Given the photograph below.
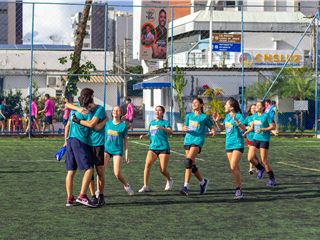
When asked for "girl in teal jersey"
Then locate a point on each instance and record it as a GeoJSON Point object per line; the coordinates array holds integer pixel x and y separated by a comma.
{"type": "Point", "coordinates": [262, 125]}
{"type": "Point", "coordinates": [195, 127]}
{"type": "Point", "coordinates": [248, 122]}
{"type": "Point", "coordinates": [234, 126]}
{"type": "Point", "coordinates": [116, 138]}
{"type": "Point", "coordinates": [159, 147]}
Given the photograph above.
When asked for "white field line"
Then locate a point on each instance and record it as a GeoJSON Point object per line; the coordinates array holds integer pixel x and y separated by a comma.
{"type": "Point", "coordinates": [292, 165]}
{"type": "Point", "coordinates": [200, 159]}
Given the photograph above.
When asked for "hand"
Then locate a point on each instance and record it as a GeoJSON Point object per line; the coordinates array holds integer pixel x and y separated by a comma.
{"type": "Point", "coordinates": [185, 129]}
{"type": "Point", "coordinates": [213, 132]}
{"type": "Point", "coordinates": [83, 111]}
{"type": "Point", "coordinates": [4, 117]}
{"type": "Point", "coordinates": [259, 130]}
{"type": "Point", "coordinates": [215, 116]}
{"type": "Point", "coordinates": [65, 143]}
{"type": "Point", "coordinates": [158, 127]}
{"type": "Point", "coordinates": [245, 134]}
{"type": "Point", "coordinates": [141, 137]}
{"type": "Point", "coordinates": [123, 117]}
{"type": "Point", "coordinates": [233, 115]}
{"type": "Point", "coordinates": [127, 159]}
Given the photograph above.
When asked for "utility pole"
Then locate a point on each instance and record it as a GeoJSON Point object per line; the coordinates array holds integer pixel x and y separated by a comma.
{"type": "Point", "coordinates": [121, 65]}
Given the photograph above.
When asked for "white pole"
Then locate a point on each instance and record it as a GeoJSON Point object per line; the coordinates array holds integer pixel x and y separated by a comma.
{"type": "Point", "coordinates": [210, 38]}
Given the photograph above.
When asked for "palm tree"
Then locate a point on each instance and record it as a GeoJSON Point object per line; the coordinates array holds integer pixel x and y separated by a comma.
{"type": "Point", "coordinates": [300, 85]}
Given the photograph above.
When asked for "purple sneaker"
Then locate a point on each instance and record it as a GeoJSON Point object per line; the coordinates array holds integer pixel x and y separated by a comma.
{"type": "Point", "coordinates": [260, 174]}
{"type": "Point", "coordinates": [271, 182]}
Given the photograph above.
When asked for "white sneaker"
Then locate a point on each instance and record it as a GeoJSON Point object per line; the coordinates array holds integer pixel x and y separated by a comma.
{"type": "Point", "coordinates": [129, 190]}
{"type": "Point", "coordinates": [97, 193]}
{"type": "Point", "coordinates": [169, 185]}
{"type": "Point", "coordinates": [144, 189]}
{"type": "Point", "coordinates": [251, 170]}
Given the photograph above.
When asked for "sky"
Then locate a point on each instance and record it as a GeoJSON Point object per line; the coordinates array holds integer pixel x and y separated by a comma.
{"type": "Point", "coordinates": [55, 19]}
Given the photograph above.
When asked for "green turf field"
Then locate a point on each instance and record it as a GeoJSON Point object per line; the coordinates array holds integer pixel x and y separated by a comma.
{"type": "Point", "coordinates": [33, 196]}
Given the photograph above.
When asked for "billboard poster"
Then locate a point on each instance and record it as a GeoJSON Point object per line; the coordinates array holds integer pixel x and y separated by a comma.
{"type": "Point", "coordinates": [154, 27]}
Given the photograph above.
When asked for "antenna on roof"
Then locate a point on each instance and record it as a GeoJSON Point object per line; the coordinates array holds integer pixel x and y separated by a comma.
{"type": "Point", "coordinates": [54, 38]}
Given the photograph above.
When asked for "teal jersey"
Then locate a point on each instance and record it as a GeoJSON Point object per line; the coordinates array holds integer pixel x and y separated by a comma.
{"type": "Point", "coordinates": [158, 137]}
{"type": "Point", "coordinates": [261, 121]}
{"type": "Point", "coordinates": [2, 111]}
{"type": "Point", "coordinates": [248, 122]}
{"type": "Point", "coordinates": [196, 128]}
{"type": "Point", "coordinates": [77, 130]}
{"type": "Point", "coordinates": [96, 138]}
{"type": "Point", "coordinates": [114, 137]}
{"type": "Point", "coordinates": [234, 137]}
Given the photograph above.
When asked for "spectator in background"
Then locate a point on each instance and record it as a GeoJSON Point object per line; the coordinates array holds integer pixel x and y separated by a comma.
{"type": "Point", "coordinates": [34, 114]}
{"type": "Point", "coordinates": [272, 113]}
{"type": "Point", "coordinates": [2, 117]}
{"type": "Point", "coordinates": [268, 105]}
{"type": "Point", "coordinates": [129, 115]}
{"type": "Point", "coordinates": [66, 114]}
{"type": "Point", "coordinates": [49, 110]}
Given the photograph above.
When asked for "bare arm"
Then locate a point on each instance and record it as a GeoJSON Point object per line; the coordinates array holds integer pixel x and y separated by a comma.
{"type": "Point", "coordinates": [126, 148]}
{"type": "Point", "coordinates": [271, 127]}
{"type": "Point", "coordinates": [215, 118]}
{"type": "Point", "coordinates": [2, 114]}
{"type": "Point", "coordinates": [167, 130]}
{"type": "Point", "coordinates": [100, 125]}
{"type": "Point", "coordinates": [73, 106]}
{"type": "Point", "coordinates": [93, 122]}
{"type": "Point", "coordinates": [143, 136]}
{"type": "Point", "coordinates": [66, 133]}
{"type": "Point", "coordinates": [45, 108]}
{"type": "Point", "coordinates": [213, 132]}
{"type": "Point", "coordinates": [249, 130]}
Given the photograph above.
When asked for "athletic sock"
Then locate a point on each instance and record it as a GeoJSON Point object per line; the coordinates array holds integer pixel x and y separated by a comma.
{"type": "Point", "coordinates": [259, 166]}
{"type": "Point", "coordinates": [83, 195]}
{"type": "Point", "coordinates": [69, 198]}
{"type": "Point", "coordinates": [186, 185]}
{"type": "Point", "coordinates": [202, 182]}
{"type": "Point", "coordinates": [271, 175]}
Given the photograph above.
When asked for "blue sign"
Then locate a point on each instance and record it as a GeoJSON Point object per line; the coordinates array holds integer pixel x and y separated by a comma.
{"type": "Point", "coordinates": [226, 47]}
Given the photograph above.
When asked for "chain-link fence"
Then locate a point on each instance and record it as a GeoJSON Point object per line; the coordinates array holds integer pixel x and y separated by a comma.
{"type": "Point", "coordinates": [251, 53]}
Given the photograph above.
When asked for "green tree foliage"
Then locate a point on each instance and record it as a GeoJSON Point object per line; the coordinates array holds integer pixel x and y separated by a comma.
{"type": "Point", "coordinates": [215, 105]}
{"type": "Point", "coordinates": [13, 102]}
{"type": "Point", "coordinates": [179, 82]}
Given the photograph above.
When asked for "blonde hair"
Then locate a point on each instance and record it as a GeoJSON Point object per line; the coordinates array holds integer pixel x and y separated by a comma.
{"type": "Point", "coordinates": [121, 111]}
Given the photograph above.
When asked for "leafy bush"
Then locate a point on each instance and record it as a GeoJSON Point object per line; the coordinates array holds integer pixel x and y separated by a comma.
{"type": "Point", "coordinates": [12, 102]}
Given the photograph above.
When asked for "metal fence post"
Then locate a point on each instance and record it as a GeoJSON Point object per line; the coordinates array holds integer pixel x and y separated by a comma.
{"type": "Point", "coordinates": [316, 80]}
{"type": "Point", "coordinates": [242, 65]}
{"type": "Point", "coordinates": [105, 53]}
{"type": "Point", "coordinates": [31, 67]}
{"type": "Point", "coordinates": [171, 92]}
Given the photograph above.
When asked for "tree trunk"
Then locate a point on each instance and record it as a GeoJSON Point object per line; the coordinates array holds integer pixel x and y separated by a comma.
{"type": "Point", "coordinates": [297, 120]}
{"type": "Point", "coordinates": [301, 120]}
{"type": "Point", "coordinates": [81, 33]}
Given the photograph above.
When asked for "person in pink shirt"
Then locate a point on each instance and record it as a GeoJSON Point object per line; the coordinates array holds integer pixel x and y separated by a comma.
{"type": "Point", "coordinates": [49, 110]}
{"type": "Point", "coordinates": [268, 105]}
{"type": "Point", "coordinates": [66, 114]}
{"type": "Point", "coordinates": [34, 114]}
{"type": "Point", "coordinates": [129, 115]}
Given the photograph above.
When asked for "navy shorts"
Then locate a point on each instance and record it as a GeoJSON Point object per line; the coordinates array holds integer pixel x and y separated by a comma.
{"type": "Point", "coordinates": [158, 152]}
{"type": "Point", "coordinates": [187, 147]}
{"type": "Point", "coordinates": [77, 155]}
{"type": "Point", "coordinates": [130, 121]}
{"type": "Point", "coordinates": [235, 149]}
{"type": "Point", "coordinates": [48, 120]}
{"type": "Point", "coordinates": [65, 122]}
{"type": "Point", "coordinates": [260, 144]}
{"type": "Point", "coordinates": [97, 154]}
{"type": "Point", "coordinates": [113, 155]}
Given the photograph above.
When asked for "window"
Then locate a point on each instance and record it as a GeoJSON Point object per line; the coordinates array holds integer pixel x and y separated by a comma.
{"type": "Point", "coordinates": [87, 36]}
{"type": "Point", "coordinates": [86, 45]}
{"type": "Point", "coordinates": [1, 84]}
{"type": "Point", "coordinates": [151, 98]}
{"type": "Point", "coordinates": [3, 11]}
{"type": "Point", "coordinates": [58, 93]}
{"type": "Point", "coordinates": [88, 27]}
{"type": "Point", "coordinates": [240, 90]}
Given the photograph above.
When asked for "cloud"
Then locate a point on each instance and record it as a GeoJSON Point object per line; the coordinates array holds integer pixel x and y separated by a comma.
{"type": "Point", "coordinates": [49, 19]}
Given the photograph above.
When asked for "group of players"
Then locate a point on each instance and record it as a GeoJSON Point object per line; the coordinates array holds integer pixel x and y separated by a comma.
{"type": "Point", "coordinates": [92, 139]}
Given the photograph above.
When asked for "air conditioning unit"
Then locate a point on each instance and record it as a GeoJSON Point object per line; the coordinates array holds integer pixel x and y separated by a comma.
{"type": "Point", "coordinates": [53, 81]}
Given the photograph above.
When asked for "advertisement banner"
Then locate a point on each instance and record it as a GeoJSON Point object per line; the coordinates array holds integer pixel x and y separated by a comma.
{"type": "Point", "coordinates": [154, 27]}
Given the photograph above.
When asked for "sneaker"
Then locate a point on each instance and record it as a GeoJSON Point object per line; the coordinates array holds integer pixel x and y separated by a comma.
{"type": "Point", "coordinates": [85, 201]}
{"type": "Point", "coordinates": [169, 185]}
{"type": "Point", "coordinates": [71, 202]}
{"type": "Point", "coordinates": [261, 172]}
{"type": "Point", "coordinates": [144, 189]}
{"type": "Point", "coordinates": [101, 201]}
{"type": "Point", "coordinates": [238, 194]}
{"type": "Point", "coordinates": [251, 171]}
{"type": "Point", "coordinates": [203, 188]}
{"type": "Point", "coordinates": [94, 199]}
{"type": "Point", "coordinates": [129, 190]}
{"type": "Point", "coordinates": [271, 182]}
{"type": "Point", "coordinates": [184, 191]}
{"type": "Point", "coordinates": [97, 193]}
